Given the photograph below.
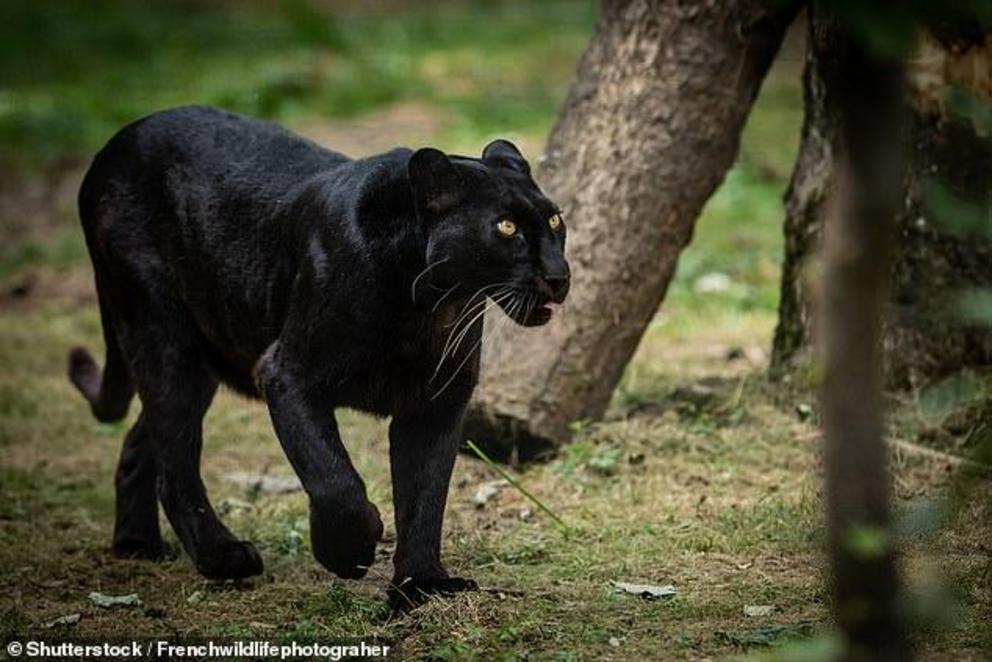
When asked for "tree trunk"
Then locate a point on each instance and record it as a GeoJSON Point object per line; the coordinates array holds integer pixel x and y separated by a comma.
{"type": "Point", "coordinates": [650, 127]}
{"type": "Point", "coordinates": [923, 337]}
{"type": "Point", "coordinates": [862, 98]}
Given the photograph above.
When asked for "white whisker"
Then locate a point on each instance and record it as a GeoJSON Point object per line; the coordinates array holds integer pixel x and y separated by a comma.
{"type": "Point", "coordinates": [459, 332]}
{"type": "Point", "coordinates": [474, 349]}
{"type": "Point", "coordinates": [444, 296]}
{"type": "Point", "coordinates": [413, 286]}
{"type": "Point", "coordinates": [466, 313]}
{"type": "Point", "coordinates": [465, 328]}
{"type": "Point", "coordinates": [468, 303]}
{"type": "Point", "coordinates": [531, 301]}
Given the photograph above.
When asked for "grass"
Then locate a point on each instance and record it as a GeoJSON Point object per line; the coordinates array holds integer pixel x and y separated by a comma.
{"type": "Point", "coordinates": [719, 499]}
{"type": "Point", "coordinates": [626, 525]}
{"type": "Point", "coordinates": [505, 475]}
{"type": "Point", "coordinates": [703, 474]}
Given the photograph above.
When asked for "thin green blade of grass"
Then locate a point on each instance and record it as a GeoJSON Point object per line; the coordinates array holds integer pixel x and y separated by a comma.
{"type": "Point", "coordinates": [508, 478]}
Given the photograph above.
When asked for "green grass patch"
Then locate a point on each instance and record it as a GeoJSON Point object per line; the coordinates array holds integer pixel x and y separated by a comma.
{"type": "Point", "coordinates": [73, 73]}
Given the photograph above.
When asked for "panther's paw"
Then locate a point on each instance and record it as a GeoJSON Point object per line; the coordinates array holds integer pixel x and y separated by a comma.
{"type": "Point", "coordinates": [229, 559]}
{"type": "Point", "coordinates": [408, 592]}
{"type": "Point", "coordinates": [344, 542]}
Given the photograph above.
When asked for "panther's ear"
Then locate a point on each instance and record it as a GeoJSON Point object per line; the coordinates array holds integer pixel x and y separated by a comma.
{"type": "Point", "coordinates": [434, 180]}
{"type": "Point", "coordinates": [504, 154]}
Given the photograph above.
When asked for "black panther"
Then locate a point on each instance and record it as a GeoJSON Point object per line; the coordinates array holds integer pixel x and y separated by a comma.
{"type": "Point", "coordinates": [228, 250]}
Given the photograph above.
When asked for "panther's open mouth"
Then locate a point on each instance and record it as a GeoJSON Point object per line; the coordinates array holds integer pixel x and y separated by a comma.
{"type": "Point", "coordinates": [530, 308]}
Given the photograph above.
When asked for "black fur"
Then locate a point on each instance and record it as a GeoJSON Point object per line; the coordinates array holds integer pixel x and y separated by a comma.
{"type": "Point", "coordinates": [227, 250]}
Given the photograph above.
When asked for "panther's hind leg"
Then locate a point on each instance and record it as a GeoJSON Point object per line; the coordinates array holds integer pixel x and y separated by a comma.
{"type": "Point", "coordinates": [176, 389]}
{"type": "Point", "coordinates": [136, 529]}
{"type": "Point", "coordinates": [109, 393]}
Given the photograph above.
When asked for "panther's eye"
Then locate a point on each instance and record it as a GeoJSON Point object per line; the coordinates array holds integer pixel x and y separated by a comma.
{"type": "Point", "coordinates": [555, 221]}
{"type": "Point", "coordinates": [506, 227]}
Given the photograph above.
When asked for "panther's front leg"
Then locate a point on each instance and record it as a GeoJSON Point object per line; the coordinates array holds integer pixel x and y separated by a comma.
{"type": "Point", "coordinates": [422, 450]}
{"type": "Point", "coordinates": [344, 525]}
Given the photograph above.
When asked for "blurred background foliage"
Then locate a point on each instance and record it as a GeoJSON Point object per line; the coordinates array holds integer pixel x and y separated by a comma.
{"type": "Point", "coordinates": [72, 73]}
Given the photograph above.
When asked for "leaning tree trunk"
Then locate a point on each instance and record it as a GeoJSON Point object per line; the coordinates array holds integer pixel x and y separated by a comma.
{"type": "Point", "coordinates": [650, 127]}
{"type": "Point", "coordinates": [923, 337]}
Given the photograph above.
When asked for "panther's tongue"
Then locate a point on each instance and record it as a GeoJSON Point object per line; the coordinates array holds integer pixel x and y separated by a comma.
{"type": "Point", "coordinates": [552, 307]}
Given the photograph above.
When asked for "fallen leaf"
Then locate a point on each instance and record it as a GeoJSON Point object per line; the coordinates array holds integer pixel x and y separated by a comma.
{"type": "Point", "coordinates": [107, 601]}
{"type": "Point", "coordinates": [68, 619]}
{"type": "Point", "coordinates": [767, 636]}
{"type": "Point", "coordinates": [486, 491]}
{"type": "Point", "coordinates": [196, 597]}
{"type": "Point", "coordinates": [646, 591]}
{"type": "Point", "coordinates": [758, 610]}
{"type": "Point", "coordinates": [264, 483]}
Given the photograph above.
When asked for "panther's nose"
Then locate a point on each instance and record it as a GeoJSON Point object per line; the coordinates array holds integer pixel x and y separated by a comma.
{"type": "Point", "coordinates": [555, 285]}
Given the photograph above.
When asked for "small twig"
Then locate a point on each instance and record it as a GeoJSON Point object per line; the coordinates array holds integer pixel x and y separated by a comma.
{"type": "Point", "coordinates": [954, 460]}
{"type": "Point", "coordinates": [910, 448]}
{"type": "Point", "coordinates": [739, 392]}
{"type": "Point", "coordinates": [503, 591]}
{"type": "Point", "coordinates": [508, 478]}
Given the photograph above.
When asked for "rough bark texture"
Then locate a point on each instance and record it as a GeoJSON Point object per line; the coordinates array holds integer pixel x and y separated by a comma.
{"type": "Point", "coordinates": [650, 127]}
{"type": "Point", "coordinates": [863, 96]}
{"type": "Point", "coordinates": [923, 338]}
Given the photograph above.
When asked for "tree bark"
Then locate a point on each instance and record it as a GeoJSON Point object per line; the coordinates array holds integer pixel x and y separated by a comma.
{"type": "Point", "coordinates": [923, 339]}
{"type": "Point", "coordinates": [649, 128]}
{"type": "Point", "coordinates": [862, 95]}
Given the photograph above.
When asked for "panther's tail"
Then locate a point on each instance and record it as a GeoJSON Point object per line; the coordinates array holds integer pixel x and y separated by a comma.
{"type": "Point", "coordinates": [109, 392]}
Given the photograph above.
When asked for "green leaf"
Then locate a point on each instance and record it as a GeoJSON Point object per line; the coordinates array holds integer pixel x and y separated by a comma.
{"type": "Point", "coordinates": [942, 399]}
{"type": "Point", "coordinates": [605, 461]}
{"type": "Point", "coordinates": [868, 542]}
{"type": "Point", "coordinates": [975, 306]}
{"type": "Point", "coordinates": [957, 215]}
{"type": "Point", "coordinates": [965, 104]}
